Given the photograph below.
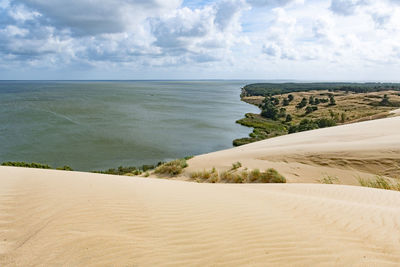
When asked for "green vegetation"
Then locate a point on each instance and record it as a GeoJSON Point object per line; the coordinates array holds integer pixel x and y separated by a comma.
{"type": "Point", "coordinates": [263, 128]}
{"type": "Point", "coordinates": [129, 170]}
{"type": "Point", "coordinates": [380, 182]}
{"type": "Point", "coordinates": [171, 168]}
{"type": "Point", "coordinates": [302, 103]}
{"type": "Point", "coordinates": [65, 168]}
{"type": "Point", "coordinates": [332, 100]}
{"type": "Point", "coordinates": [211, 176]}
{"type": "Point", "coordinates": [235, 176]}
{"type": "Point", "coordinates": [265, 89]}
{"type": "Point", "coordinates": [295, 107]}
{"type": "Point", "coordinates": [306, 125]}
{"type": "Point", "coordinates": [122, 171]}
{"type": "Point", "coordinates": [386, 102]}
{"type": "Point", "coordinates": [26, 165]}
{"type": "Point", "coordinates": [236, 165]}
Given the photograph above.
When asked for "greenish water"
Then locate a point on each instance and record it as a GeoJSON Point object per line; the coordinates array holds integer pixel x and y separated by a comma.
{"type": "Point", "coordinates": [98, 125]}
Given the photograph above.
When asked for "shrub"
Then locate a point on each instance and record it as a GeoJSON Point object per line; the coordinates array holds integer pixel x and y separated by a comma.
{"type": "Point", "coordinates": [385, 101]}
{"type": "Point", "coordinates": [270, 111]}
{"type": "Point", "coordinates": [309, 109]}
{"type": "Point", "coordinates": [65, 168]}
{"type": "Point", "coordinates": [121, 171]}
{"type": "Point", "coordinates": [172, 168]}
{"type": "Point", "coordinates": [302, 103]}
{"type": "Point", "coordinates": [304, 125]}
{"type": "Point", "coordinates": [311, 100]}
{"type": "Point", "coordinates": [26, 165]}
{"type": "Point", "coordinates": [272, 176]}
{"type": "Point", "coordinates": [324, 122]}
{"type": "Point", "coordinates": [332, 101]}
{"type": "Point", "coordinates": [254, 175]}
{"type": "Point", "coordinates": [286, 102]}
{"type": "Point", "coordinates": [146, 168]}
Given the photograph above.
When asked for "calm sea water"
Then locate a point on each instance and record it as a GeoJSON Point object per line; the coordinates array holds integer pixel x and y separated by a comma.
{"type": "Point", "coordinates": [98, 125]}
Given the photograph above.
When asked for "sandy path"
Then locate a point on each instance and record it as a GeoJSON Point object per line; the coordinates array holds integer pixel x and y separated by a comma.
{"type": "Point", "coordinates": [68, 218]}
{"type": "Point", "coordinates": [347, 152]}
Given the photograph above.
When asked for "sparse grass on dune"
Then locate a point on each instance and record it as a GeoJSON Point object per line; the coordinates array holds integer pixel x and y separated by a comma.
{"type": "Point", "coordinates": [236, 165]}
{"type": "Point", "coordinates": [328, 179]}
{"type": "Point", "coordinates": [379, 182]}
{"type": "Point", "coordinates": [239, 176]}
{"type": "Point", "coordinates": [171, 168]}
{"type": "Point", "coordinates": [211, 176]}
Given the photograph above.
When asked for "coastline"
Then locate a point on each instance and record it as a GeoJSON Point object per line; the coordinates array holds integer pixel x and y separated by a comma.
{"type": "Point", "coordinates": [57, 217]}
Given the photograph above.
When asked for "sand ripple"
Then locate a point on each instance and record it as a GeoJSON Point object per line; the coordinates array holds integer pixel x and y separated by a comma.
{"type": "Point", "coordinates": [79, 219]}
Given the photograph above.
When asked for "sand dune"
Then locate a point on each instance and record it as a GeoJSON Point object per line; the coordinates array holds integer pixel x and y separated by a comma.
{"type": "Point", "coordinates": [347, 152]}
{"type": "Point", "coordinates": [56, 218]}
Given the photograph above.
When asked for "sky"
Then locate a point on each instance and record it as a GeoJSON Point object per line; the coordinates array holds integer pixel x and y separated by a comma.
{"type": "Point", "coordinates": [348, 40]}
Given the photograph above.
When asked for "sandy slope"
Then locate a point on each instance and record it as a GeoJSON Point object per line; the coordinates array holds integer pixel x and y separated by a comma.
{"type": "Point", "coordinates": [350, 151]}
{"type": "Point", "coordinates": [56, 218]}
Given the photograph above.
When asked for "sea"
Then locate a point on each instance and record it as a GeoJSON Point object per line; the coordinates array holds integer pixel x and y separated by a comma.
{"type": "Point", "coordinates": [96, 125]}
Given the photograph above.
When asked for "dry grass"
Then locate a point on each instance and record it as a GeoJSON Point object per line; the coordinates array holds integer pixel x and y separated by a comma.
{"type": "Point", "coordinates": [235, 176]}
{"type": "Point", "coordinates": [209, 176]}
{"type": "Point", "coordinates": [329, 180]}
{"type": "Point", "coordinates": [380, 182]}
{"type": "Point", "coordinates": [236, 165]}
{"type": "Point", "coordinates": [354, 106]}
{"type": "Point", "coordinates": [171, 168]}
{"type": "Point", "coordinates": [350, 107]}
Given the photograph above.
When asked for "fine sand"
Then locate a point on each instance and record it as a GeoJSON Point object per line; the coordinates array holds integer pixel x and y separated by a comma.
{"type": "Point", "coordinates": [347, 152]}
{"type": "Point", "coordinates": [58, 218]}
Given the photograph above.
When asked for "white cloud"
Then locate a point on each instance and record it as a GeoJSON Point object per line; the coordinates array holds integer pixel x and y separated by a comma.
{"type": "Point", "coordinates": [273, 3]}
{"type": "Point", "coordinates": [200, 35]}
{"type": "Point", "coordinates": [87, 17]}
{"type": "Point", "coordinates": [238, 36]}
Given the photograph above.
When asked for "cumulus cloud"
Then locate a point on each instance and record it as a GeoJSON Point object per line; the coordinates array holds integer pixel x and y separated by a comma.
{"type": "Point", "coordinates": [346, 7]}
{"type": "Point", "coordinates": [272, 3]}
{"type": "Point", "coordinates": [226, 33]}
{"type": "Point", "coordinates": [200, 35]}
{"type": "Point", "coordinates": [87, 17]}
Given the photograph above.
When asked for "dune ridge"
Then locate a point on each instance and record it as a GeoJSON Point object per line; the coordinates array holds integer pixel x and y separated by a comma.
{"type": "Point", "coordinates": [63, 218]}
{"type": "Point", "coordinates": [348, 152]}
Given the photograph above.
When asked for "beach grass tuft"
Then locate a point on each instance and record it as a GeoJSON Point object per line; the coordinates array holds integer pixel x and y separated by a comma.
{"type": "Point", "coordinates": [328, 179]}
{"type": "Point", "coordinates": [379, 182]}
{"type": "Point", "coordinates": [236, 165]}
{"type": "Point", "coordinates": [171, 168]}
{"type": "Point", "coordinates": [235, 176]}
